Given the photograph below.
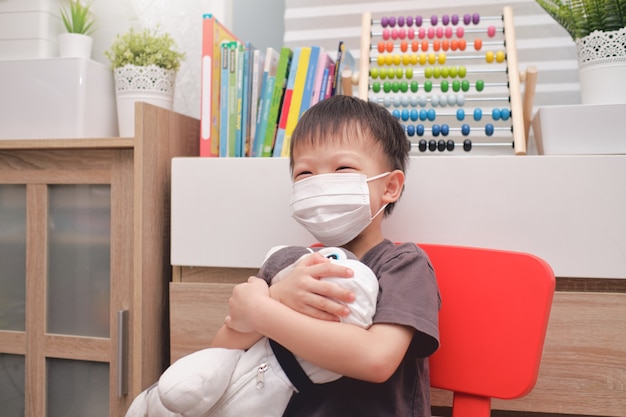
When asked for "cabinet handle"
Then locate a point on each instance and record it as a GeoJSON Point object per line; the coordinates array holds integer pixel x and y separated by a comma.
{"type": "Point", "coordinates": [122, 353]}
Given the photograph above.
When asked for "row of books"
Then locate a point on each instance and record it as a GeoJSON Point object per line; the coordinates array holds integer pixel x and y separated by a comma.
{"type": "Point", "coordinates": [252, 99]}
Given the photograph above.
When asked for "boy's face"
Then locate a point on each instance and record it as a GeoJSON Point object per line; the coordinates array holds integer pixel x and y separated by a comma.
{"type": "Point", "coordinates": [347, 156]}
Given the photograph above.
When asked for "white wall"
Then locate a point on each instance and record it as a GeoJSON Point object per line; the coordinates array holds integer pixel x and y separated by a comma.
{"type": "Point", "coordinates": [181, 18]}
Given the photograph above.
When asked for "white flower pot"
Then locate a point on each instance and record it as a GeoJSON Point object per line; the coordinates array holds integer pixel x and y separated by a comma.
{"type": "Point", "coordinates": [75, 45]}
{"type": "Point", "coordinates": [602, 67]}
{"type": "Point", "coordinates": [151, 84]}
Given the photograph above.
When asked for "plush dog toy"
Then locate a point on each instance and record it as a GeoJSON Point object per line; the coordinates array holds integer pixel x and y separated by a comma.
{"type": "Point", "coordinates": [220, 382]}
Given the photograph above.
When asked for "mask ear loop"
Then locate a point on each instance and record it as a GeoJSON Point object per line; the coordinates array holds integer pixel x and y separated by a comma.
{"type": "Point", "coordinates": [379, 210]}
{"type": "Point", "coordinates": [374, 178]}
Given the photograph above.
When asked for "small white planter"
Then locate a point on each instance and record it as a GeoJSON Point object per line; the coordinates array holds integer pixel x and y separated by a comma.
{"type": "Point", "coordinates": [602, 67]}
{"type": "Point", "coordinates": [149, 84]}
{"type": "Point", "coordinates": [75, 45]}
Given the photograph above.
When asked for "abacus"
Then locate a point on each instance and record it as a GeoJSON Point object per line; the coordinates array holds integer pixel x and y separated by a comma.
{"type": "Point", "coordinates": [436, 75]}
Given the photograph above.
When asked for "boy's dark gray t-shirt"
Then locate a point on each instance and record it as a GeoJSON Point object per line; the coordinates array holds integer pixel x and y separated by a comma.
{"type": "Point", "coordinates": [409, 296]}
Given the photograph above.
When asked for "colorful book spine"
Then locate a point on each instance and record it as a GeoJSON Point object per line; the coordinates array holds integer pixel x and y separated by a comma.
{"type": "Point", "coordinates": [322, 67]}
{"type": "Point", "coordinates": [309, 82]}
{"type": "Point", "coordinates": [331, 76]}
{"type": "Point", "coordinates": [296, 99]}
{"type": "Point", "coordinates": [246, 98]}
{"type": "Point", "coordinates": [337, 75]}
{"type": "Point", "coordinates": [223, 124]}
{"type": "Point", "coordinates": [347, 62]}
{"type": "Point", "coordinates": [232, 97]}
{"type": "Point", "coordinates": [213, 34]}
{"type": "Point", "coordinates": [239, 70]}
{"type": "Point", "coordinates": [324, 88]}
{"type": "Point", "coordinates": [258, 59]}
{"type": "Point", "coordinates": [282, 71]}
{"type": "Point", "coordinates": [284, 112]}
{"type": "Point", "coordinates": [269, 78]}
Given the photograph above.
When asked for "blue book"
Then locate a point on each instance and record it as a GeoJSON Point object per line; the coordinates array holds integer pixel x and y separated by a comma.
{"type": "Point", "coordinates": [311, 72]}
{"type": "Point", "coordinates": [322, 95]}
{"type": "Point", "coordinates": [239, 73]}
{"type": "Point", "coordinates": [224, 99]}
{"type": "Point", "coordinates": [246, 104]}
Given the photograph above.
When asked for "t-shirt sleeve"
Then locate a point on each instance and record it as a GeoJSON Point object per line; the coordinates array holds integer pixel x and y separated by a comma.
{"type": "Point", "coordinates": [409, 296]}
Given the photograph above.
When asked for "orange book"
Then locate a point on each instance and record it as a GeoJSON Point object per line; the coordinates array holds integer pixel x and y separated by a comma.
{"type": "Point", "coordinates": [213, 34]}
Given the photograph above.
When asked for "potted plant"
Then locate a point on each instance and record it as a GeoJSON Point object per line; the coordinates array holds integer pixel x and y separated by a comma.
{"type": "Point", "coordinates": [599, 29]}
{"type": "Point", "coordinates": [144, 65]}
{"type": "Point", "coordinates": [78, 21]}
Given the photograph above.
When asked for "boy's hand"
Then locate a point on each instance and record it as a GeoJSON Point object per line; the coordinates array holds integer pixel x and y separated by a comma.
{"type": "Point", "coordinates": [303, 291]}
{"type": "Point", "coordinates": [244, 302]}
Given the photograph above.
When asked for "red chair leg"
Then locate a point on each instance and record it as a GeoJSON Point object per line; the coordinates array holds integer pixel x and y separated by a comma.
{"type": "Point", "coordinates": [466, 405]}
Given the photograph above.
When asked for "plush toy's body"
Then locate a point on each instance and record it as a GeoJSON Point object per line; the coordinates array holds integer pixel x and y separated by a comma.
{"type": "Point", "coordinates": [220, 382]}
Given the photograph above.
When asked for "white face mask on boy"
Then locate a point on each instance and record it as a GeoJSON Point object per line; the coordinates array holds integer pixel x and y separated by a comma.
{"type": "Point", "coordinates": [334, 208]}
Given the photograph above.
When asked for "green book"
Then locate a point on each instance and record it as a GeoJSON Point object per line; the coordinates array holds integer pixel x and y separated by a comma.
{"type": "Point", "coordinates": [284, 61]}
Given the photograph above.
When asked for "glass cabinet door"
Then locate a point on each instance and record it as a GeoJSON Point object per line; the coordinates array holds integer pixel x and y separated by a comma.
{"type": "Point", "coordinates": [12, 295]}
{"type": "Point", "coordinates": [78, 295]}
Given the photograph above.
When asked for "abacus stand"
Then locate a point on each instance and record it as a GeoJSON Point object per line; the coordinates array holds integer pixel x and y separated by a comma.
{"type": "Point", "coordinates": [520, 111]}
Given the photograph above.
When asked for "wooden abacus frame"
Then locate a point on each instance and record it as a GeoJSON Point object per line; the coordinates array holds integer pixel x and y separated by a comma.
{"type": "Point", "coordinates": [520, 109]}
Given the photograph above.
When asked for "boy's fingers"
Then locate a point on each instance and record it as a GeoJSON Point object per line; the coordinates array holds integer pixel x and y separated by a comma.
{"type": "Point", "coordinates": [329, 269]}
{"type": "Point", "coordinates": [331, 291]}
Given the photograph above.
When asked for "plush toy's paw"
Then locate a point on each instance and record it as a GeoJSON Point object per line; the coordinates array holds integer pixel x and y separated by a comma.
{"type": "Point", "coordinates": [148, 404]}
{"type": "Point", "coordinates": [194, 383]}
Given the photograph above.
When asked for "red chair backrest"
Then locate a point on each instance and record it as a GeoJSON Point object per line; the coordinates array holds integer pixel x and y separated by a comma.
{"type": "Point", "coordinates": [493, 320]}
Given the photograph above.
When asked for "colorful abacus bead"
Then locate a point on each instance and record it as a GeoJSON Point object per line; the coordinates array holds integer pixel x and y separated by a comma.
{"type": "Point", "coordinates": [467, 145]}
{"type": "Point", "coordinates": [489, 129]}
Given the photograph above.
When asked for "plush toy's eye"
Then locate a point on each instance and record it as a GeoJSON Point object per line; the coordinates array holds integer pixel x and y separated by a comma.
{"type": "Point", "coordinates": [336, 254]}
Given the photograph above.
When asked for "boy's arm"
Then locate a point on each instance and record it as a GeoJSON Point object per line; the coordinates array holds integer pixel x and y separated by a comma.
{"type": "Point", "coordinates": [232, 339]}
{"type": "Point", "coordinates": [368, 354]}
{"type": "Point", "coordinates": [312, 303]}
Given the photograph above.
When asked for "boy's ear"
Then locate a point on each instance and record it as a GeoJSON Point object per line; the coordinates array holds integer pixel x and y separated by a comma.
{"type": "Point", "coordinates": [395, 185]}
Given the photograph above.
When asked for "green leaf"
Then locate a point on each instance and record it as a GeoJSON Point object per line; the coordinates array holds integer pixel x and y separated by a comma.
{"type": "Point", "coordinates": [78, 19]}
{"type": "Point", "coordinates": [581, 17]}
{"type": "Point", "coordinates": [143, 48]}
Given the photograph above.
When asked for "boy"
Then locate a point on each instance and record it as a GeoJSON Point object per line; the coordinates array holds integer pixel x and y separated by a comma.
{"type": "Point", "coordinates": [348, 159]}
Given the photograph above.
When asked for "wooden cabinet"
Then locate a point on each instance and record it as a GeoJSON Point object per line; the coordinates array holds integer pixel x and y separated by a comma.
{"type": "Point", "coordinates": [84, 267]}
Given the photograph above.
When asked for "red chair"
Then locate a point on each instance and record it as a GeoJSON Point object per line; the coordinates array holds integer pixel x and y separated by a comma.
{"type": "Point", "coordinates": [493, 320]}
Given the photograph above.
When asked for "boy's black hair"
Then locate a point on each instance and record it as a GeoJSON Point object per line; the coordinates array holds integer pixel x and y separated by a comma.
{"type": "Point", "coordinates": [352, 117]}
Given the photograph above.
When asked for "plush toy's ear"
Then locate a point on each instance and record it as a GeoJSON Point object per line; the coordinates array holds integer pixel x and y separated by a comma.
{"type": "Point", "coordinates": [281, 259]}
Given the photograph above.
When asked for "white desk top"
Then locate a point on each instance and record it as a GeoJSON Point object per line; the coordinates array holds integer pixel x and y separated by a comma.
{"type": "Point", "coordinates": [569, 210]}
